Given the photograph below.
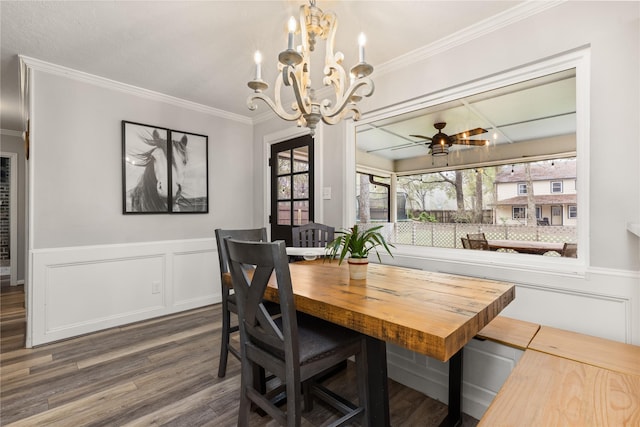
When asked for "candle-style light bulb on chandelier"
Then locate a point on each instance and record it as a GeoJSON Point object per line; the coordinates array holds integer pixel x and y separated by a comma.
{"type": "Point", "coordinates": [294, 67]}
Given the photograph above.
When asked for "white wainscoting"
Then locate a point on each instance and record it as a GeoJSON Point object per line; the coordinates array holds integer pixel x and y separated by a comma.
{"type": "Point", "coordinates": [78, 290]}
{"type": "Point", "coordinates": [486, 366]}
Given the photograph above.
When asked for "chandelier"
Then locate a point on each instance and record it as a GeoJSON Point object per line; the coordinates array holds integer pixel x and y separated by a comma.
{"type": "Point", "coordinates": [294, 67]}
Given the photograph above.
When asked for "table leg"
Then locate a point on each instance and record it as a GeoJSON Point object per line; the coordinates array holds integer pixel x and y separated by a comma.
{"type": "Point", "coordinates": [378, 389]}
{"type": "Point", "coordinates": [454, 415]}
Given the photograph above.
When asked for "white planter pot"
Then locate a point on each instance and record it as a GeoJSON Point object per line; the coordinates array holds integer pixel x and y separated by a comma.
{"type": "Point", "coordinates": [358, 268]}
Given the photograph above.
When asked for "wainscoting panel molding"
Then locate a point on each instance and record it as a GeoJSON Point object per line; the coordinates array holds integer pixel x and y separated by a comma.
{"type": "Point", "coordinates": [199, 271]}
{"type": "Point", "coordinates": [79, 290]}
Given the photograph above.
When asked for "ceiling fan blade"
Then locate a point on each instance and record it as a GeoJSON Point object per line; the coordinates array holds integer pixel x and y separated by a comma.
{"type": "Point", "coordinates": [476, 142]}
{"type": "Point", "coordinates": [421, 136]}
{"type": "Point", "coordinates": [467, 133]}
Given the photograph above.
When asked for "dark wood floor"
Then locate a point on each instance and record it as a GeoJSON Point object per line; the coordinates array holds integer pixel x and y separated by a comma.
{"type": "Point", "coordinates": [157, 372]}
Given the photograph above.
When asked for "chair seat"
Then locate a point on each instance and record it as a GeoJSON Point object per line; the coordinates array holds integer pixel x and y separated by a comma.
{"type": "Point", "coordinates": [317, 338]}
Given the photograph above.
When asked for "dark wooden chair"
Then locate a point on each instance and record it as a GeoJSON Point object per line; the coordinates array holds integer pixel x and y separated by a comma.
{"type": "Point", "coordinates": [229, 304]}
{"type": "Point", "coordinates": [570, 250]}
{"type": "Point", "coordinates": [312, 235]}
{"type": "Point", "coordinates": [478, 241]}
{"type": "Point", "coordinates": [295, 347]}
{"type": "Point", "coordinates": [465, 243]}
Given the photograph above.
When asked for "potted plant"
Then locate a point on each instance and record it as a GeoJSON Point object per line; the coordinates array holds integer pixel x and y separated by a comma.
{"type": "Point", "coordinates": [357, 244]}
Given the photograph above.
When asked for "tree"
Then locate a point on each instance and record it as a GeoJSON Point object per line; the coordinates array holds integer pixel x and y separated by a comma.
{"type": "Point", "coordinates": [364, 203]}
{"type": "Point", "coordinates": [416, 191]}
{"type": "Point", "coordinates": [531, 202]}
{"type": "Point", "coordinates": [477, 209]}
{"type": "Point", "coordinates": [456, 186]}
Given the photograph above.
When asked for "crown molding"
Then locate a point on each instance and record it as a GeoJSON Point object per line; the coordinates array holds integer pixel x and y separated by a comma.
{"type": "Point", "coordinates": [81, 76]}
{"type": "Point", "coordinates": [517, 13]}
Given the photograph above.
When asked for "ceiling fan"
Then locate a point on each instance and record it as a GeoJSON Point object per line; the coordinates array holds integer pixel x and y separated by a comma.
{"type": "Point", "coordinates": [440, 142]}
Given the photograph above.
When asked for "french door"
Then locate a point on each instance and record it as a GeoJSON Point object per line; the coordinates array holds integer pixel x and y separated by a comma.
{"type": "Point", "coordinates": [292, 183]}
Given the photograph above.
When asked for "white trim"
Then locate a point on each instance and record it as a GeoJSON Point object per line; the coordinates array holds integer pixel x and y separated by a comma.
{"type": "Point", "coordinates": [13, 217]}
{"type": "Point", "coordinates": [348, 203]}
{"type": "Point", "coordinates": [81, 76]}
{"type": "Point", "coordinates": [29, 197]}
{"type": "Point", "coordinates": [285, 135]}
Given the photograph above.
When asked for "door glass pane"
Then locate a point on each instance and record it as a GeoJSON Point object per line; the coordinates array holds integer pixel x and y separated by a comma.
{"type": "Point", "coordinates": [284, 162]}
{"type": "Point", "coordinates": [301, 186]}
{"type": "Point", "coordinates": [284, 213]}
{"type": "Point", "coordinates": [301, 212]}
{"type": "Point", "coordinates": [284, 187]}
{"type": "Point", "coordinates": [301, 159]}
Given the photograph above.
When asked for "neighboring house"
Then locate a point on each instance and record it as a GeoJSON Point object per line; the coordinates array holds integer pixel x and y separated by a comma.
{"type": "Point", "coordinates": [554, 190]}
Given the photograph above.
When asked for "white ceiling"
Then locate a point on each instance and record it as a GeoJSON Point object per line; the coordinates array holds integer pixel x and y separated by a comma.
{"type": "Point", "coordinates": [531, 110]}
{"type": "Point", "coordinates": [202, 51]}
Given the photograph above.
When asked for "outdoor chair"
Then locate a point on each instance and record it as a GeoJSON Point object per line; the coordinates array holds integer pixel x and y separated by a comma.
{"type": "Point", "coordinates": [478, 241]}
{"type": "Point", "coordinates": [570, 250]}
{"type": "Point", "coordinates": [312, 235]}
{"type": "Point", "coordinates": [465, 243]}
{"type": "Point", "coordinates": [229, 304]}
{"type": "Point", "coordinates": [296, 347]}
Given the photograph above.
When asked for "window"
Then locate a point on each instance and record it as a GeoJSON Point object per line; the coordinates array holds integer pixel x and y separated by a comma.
{"type": "Point", "coordinates": [519, 212]}
{"type": "Point", "coordinates": [491, 187]}
{"type": "Point", "coordinates": [436, 209]}
{"type": "Point", "coordinates": [572, 212]}
{"type": "Point", "coordinates": [556, 186]}
{"type": "Point", "coordinates": [373, 198]}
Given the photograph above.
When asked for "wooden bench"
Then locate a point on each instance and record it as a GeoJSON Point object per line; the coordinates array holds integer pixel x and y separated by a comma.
{"type": "Point", "coordinates": [568, 378]}
{"type": "Point", "coordinates": [600, 352]}
{"type": "Point", "coordinates": [511, 332]}
{"type": "Point", "coordinates": [548, 390]}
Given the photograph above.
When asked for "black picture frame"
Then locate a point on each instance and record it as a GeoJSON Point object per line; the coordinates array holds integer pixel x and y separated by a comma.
{"type": "Point", "coordinates": [143, 149]}
{"type": "Point", "coordinates": [163, 171]}
{"type": "Point", "coordinates": [190, 172]}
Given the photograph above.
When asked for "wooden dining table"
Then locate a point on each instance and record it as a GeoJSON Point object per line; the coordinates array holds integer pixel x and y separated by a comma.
{"type": "Point", "coordinates": [525, 246]}
{"type": "Point", "coordinates": [431, 313]}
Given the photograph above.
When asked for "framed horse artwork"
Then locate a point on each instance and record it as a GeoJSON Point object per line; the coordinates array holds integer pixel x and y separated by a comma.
{"type": "Point", "coordinates": [189, 172]}
{"type": "Point", "coordinates": [163, 171]}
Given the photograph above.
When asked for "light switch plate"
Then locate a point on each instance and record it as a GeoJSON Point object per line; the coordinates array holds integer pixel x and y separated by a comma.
{"type": "Point", "coordinates": [326, 193]}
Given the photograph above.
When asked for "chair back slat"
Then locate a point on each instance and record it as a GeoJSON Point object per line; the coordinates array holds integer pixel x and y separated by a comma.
{"type": "Point", "coordinates": [478, 241]}
{"type": "Point", "coordinates": [312, 235]}
{"type": "Point", "coordinates": [251, 234]}
{"type": "Point", "coordinates": [465, 243]}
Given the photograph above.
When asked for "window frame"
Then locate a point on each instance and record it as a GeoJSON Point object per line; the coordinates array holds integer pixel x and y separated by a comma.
{"type": "Point", "coordinates": [553, 183]}
{"type": "Point", "coordinates": [522, 188]}
{"type": "Point", "coordinates": [578, 59]}
{"type": "Point", "coordinates": [523, 209]}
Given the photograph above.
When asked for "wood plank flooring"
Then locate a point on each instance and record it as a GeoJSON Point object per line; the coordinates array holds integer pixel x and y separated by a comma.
{"type": "Point", "coordinates": [160, 372]}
